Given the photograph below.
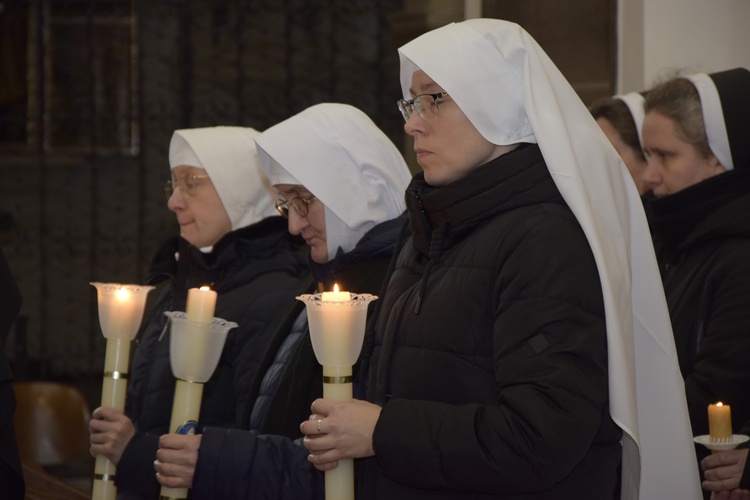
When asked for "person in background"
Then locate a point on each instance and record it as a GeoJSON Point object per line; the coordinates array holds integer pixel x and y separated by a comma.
{"type": "Point", "coordinates": [233, 240]}
{"type": "Point", "coordinates": [340, 181]}
{"type": "Point", "coordinates": [621, 119]}
{"type": "Point", "coordinates": [522, 306]}
{"type": "Point", "coordinates": [11, 473]}
{"type": "Point", "coordinates": [695, 135]}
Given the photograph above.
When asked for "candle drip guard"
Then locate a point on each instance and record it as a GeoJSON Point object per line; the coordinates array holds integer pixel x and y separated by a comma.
{"type": "Point", "coordinates": [337, 329]}
{"type": "Point", "coordinates": [194, 347]}
{"type": "Point", "coordinates": [729, 444]}
{"type": "Point", "coordinates": [194, 351]}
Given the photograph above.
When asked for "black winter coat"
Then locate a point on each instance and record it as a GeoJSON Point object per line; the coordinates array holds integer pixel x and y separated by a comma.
{"type": "Point", "coordinates": [269, 462]}
{"type": "Point", "coordinates": [256, 271]}
{"type": "Point", "coordinates": [491, 351]}
{"type": "Point", "coordinates": [704, 232]}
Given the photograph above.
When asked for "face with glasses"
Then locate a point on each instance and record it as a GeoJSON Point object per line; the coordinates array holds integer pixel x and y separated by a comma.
{"type": "Point", "coordinates": [200, 212]}
{"type": "Point", "coordinates": [446, 143]}
{"type": "Point", "coordinates": [306, 216]}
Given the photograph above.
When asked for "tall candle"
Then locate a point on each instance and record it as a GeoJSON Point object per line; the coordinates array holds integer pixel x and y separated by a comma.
{"type": "Point", "coordinates": [201, 303]}
{"type": "Point", "coordinates": [719, 421]}
{"type": "Point", "coordinates": [120, 311]}
{"type": "Point", "coordinates": [337, 325]}
{"type": "Point", "coordinates": [337, 386]}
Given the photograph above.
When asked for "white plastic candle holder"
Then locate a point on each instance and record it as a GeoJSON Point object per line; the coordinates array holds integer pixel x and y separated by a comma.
{"type": "Point", "coordinates": [194, 351]}
{"type": "Point", "coordinates": [337, 331]}
{"type": "Point", "coordinates": [120, 314]}
{"type": "Point", "coordinates": [729, 444]}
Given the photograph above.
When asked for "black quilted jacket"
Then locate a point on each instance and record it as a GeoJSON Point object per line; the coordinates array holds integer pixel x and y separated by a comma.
{"type": "Point", "coordinates": [490, 356]}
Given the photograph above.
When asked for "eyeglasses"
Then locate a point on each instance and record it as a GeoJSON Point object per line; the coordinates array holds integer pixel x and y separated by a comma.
{"type": "Point", "coordinates": [300, 205]}
{"type": "Point", "coordinates": [427, 105]}
{"type": "Point", "coordinates": [188, 184]}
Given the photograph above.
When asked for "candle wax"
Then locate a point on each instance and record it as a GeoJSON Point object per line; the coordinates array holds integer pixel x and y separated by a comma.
{"type": "Point", "coordinates": [719, 421]}
{"type": "Point", "coordinates": [336, 296]}
{"type": "Point", "coordinates": [201, 303]}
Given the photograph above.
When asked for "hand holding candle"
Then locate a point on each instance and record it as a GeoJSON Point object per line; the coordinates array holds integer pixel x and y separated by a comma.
{"type": "Point", "coordinates": [196, 342]}
{"type": "Point", "coordinates": [719, 422]}
{"type": "Point", "coordinates": [337, 328]}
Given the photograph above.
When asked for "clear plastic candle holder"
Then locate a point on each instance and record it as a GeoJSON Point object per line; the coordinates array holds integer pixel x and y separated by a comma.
{"type": "Point", "coordinates": [337, 329]}
{"type": "Point", "coordinates": [195, 347]}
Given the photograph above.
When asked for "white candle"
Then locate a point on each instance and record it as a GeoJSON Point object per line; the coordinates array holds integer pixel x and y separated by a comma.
{"type": "Point", "coordinates": [200, 307]}
{"type": "Point", "coordinates": [335, 295]}
{"type": "Point", "coordinates": [337, 327]}
{"type": "Point", "coordinates": [201, 303]}
{"type": "Point", "coordinates": [120, 311]}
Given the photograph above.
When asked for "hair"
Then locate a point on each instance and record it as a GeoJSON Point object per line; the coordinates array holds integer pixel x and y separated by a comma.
{"type": "Point", "coordinates": [678, 100]}
{"type": "Point", "coordinates": [616, 112]}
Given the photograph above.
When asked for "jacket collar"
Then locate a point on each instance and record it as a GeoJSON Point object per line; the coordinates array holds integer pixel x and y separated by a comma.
{"type": "Point", "coordinates": [516, 179]}
{"type": "Point", "coordinates": [699, 212]}
{"type": "Point", "coordinates": [179, 260]}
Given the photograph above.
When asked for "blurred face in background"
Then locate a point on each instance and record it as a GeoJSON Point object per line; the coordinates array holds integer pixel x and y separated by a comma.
{"type": "Point", "coordinates": [631, 158]}
{"type": "Point", "coordinates": [673, 163]}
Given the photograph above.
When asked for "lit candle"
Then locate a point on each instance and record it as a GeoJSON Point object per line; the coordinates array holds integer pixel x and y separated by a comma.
{"type": "Point", "coordinates": [188, 394]}
{"type": "Point", "coordinates": [201, 303]}
{"type": "Point", "coordinates": [337, 326]}
{"type": "Point", "coordinates": [335, 295]}
{"type": "Point", "coordinates": [719, 421]}
{"type": "Point", "coordinates": [120, 311]}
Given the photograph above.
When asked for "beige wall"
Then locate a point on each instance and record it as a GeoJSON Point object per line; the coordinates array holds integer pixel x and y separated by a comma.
{"type": "Point", "coordinates": [660, 36]}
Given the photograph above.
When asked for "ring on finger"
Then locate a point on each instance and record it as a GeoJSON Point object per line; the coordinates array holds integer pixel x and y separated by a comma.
{"type": "Point", "coordinates": [319, 421]}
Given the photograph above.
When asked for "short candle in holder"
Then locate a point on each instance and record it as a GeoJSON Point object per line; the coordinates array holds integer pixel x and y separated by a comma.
{"type": "Point", "coordinates": [337, 328]}
{"type": "Point", "coordinates": [120, 314]}
{"type": "Point", "coordinates": [195, 346]}
{"type": "Point", "coordinates": [719, 422]}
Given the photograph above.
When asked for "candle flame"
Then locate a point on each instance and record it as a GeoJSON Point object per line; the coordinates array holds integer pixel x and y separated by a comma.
{"type": "Point", "coordinates": [335, 288]}
{"type": "Point", "coordinates": [719, 404]}
{"type": "Point", "coordinates": [204, 288]}
{"type": "Point", "coordinates": [122, 294]}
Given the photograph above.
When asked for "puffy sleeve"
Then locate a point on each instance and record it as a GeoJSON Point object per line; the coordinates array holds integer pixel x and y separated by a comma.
{"type": "Point", "coordinates": [236, 464]}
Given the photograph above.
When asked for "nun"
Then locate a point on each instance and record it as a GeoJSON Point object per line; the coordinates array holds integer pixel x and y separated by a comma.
{"type": "Point", "coordinates": [523, 347]}
{"type": "Point", "coordinates": [621, 119]}
{"type": "Point", "coordinates": [696, 138]}
{"type": "Point", "coordinates": [340, 183]}
{"type": "Point", "coordinates": [233, 240]}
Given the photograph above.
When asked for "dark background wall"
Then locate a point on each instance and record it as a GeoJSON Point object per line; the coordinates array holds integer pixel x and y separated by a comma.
{"type": "Point", "coordinates": [91, 91]}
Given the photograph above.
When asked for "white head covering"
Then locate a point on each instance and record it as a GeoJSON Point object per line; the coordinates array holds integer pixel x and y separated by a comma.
{"type": "Point", "coordinates": [713, 118]}
{"type": "Point", "coordinates": [512, 92]}
{"type": "Point", "coordinates": [634, 101]}
{"type": "Point", "coordinates": [228, 156]}
{"type": "Point", "coordinates": [346, 161]}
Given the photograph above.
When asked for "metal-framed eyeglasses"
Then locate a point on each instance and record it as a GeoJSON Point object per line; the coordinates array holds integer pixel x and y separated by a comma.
{"type": "Point", "coordinates": [427, 105]}
{"type": "Point", "coordinates": [299, 204]}
{"type": "Point", "coordinates": [188, 184]}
